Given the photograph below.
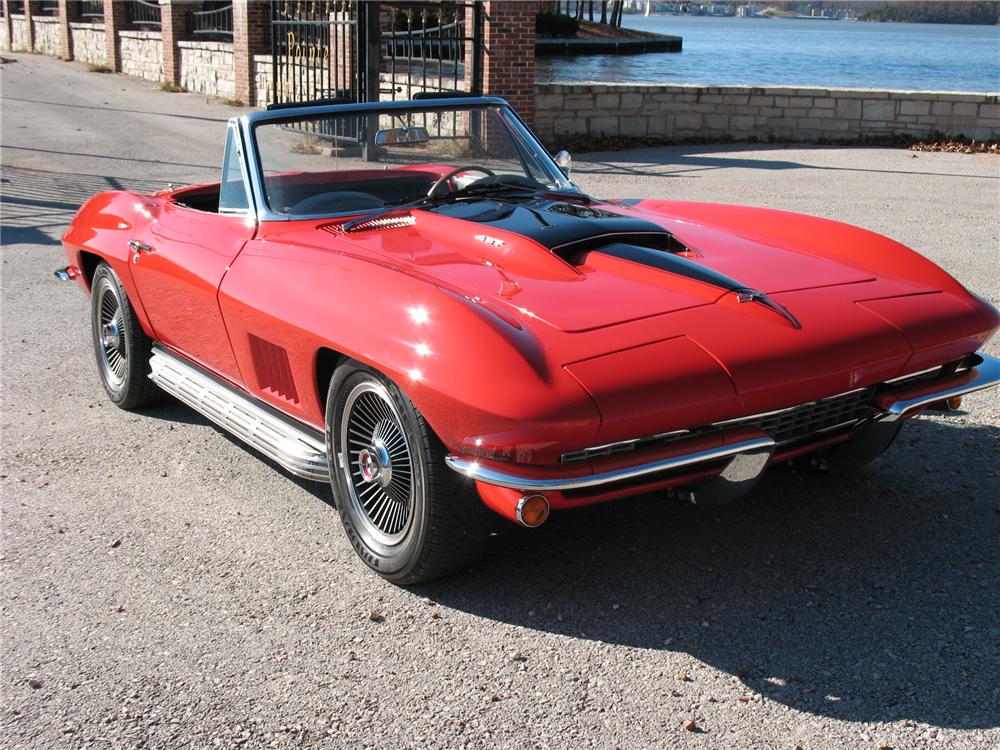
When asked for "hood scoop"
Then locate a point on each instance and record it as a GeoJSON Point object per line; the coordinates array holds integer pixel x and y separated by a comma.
{"type": "Point", "coordinates": [677, 263]}
{"type": "Point", "coordinates": [393, 220]}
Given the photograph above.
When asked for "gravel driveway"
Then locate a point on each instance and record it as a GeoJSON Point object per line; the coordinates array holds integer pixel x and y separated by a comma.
{"type": "Point", "coordinates": [165, 587]}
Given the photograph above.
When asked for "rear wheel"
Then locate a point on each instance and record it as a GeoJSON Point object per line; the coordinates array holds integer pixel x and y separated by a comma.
{"type": "Point", "coordinates": [408, 516]}
{"type": "Point", "coordinates": [121, 346]}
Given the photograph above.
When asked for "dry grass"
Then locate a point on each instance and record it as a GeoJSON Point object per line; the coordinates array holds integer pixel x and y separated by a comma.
{"type": "Point", "coordinates": [95, 68]}
{"type": "Point", "coordinates": [308, 145]}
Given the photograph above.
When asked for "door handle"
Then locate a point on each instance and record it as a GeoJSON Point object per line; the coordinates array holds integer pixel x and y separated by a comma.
{"type": "Point", "coordinates": [138, 248]}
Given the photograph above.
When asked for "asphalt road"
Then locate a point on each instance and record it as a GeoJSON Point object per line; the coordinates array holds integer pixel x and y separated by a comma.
{"type": "Point", "coordinates": [164, 587]}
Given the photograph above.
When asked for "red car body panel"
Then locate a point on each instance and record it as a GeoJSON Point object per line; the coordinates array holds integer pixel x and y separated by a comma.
{"type": "Point", "coordinates": [512, 353]}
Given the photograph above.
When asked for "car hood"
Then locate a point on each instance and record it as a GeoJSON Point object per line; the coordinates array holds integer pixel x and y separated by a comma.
{"type": "Point", "coordinates": [584, 267]}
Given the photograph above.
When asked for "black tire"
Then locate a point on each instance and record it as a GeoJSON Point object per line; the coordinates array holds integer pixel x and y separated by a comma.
{"type": "Point", "coordinates": [408, 516]}
{"type": "Point", "coordinates": [121, 347]}
{"type": "Point", "coordinates": [863, 448]}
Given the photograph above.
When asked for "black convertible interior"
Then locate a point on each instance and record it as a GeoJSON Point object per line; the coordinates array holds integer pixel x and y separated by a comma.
{"type": "Point", "coordinates": [305, 194]}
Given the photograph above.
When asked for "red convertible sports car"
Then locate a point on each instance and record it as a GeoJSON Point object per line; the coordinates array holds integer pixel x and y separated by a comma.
{"type": "Point", "coordinates": [412, 301]}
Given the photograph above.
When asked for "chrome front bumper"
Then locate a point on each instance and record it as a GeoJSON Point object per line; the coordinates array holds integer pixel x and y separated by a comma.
{"type": "Point", "coordinates": [985, 374]}
{"type": "Point", "coordinates": [895, 405]}
{"type": "Point", "coordinates": [473, 469]}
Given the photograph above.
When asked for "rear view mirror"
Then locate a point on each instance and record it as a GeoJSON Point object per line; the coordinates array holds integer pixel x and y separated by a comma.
{"type": "Point", "coordinates": [402, 137]}
{"type": "Point", "coordinates": [564, 161]}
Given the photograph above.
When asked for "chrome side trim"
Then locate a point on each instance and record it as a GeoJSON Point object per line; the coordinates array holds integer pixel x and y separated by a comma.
{"type": "Point", "coordinates": [986, 374]}
{"type": "Point", "coordinates": [474, 470]}
{"type": "Point", "coordinates": [297, 449]}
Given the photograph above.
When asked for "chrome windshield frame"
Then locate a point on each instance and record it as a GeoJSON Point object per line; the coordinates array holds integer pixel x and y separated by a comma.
{"type": "Point", "coordinates": [253, 167]}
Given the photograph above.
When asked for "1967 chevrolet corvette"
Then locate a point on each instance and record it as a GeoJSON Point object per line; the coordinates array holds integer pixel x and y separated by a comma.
{"type": "Point", "coordinates": [412, 301]}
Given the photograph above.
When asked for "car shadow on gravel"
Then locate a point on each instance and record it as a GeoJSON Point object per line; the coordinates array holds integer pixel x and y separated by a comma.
{"type": "Point", "coordinates": [867, 598]}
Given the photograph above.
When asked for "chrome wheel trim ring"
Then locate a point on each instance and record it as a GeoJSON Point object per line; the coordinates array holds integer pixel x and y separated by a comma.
{"type": "Point", "coordinates": [109, 333]}
{"type": "Point", "coordinates": [377, 464]}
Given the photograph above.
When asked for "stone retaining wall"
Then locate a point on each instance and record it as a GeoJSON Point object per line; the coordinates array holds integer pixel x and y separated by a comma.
{"type": "Point", "coordinates": [142, 54]}
{"type": "Point", "coordinates": [46, 30]}
{"type": "Point", "coordinates": [743, 113]}
{"type": "Point", "coordinates": [263, 72]}
{"type": "Point", "coordinates": [89, 43]}
{"type": "Point", "coordinates": [18, 34]}
{"type": "Point", "coordinates": [207, 68]}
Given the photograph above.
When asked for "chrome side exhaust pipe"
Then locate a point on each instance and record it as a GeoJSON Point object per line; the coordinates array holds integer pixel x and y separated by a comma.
{"type": "Point", "coordinates": [66, 274]}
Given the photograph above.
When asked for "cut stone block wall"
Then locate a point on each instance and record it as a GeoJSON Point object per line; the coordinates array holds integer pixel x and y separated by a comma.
{"type": "Point", "coordinates": [263, 72]}
{"type": "Point", "coordinates": [142, 54]}
{"type": "Point", "coordinates": [18, 34]}
{"type": "Point", "coordinates": [207, 68]}
{"type": "Point", "coordinates": [744, 113]}
{"type": "Point", "coordinates": [46, 30]}
{"type": "Point", "coordinates": [89, 43]}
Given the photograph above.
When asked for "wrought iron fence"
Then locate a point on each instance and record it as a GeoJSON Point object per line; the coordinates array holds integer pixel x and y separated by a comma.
{"type": "Point", "coordinates": [315, 50]}
{"type": "Point", "coordinates": [48, 8]}
{"type": "Point", "coordinates": [214, 21]}
{"type": "Point", "coordinates": [144, 13]}
{"type": "Point", "coordinates": [92, 10]}
{"type": "Point", "coordinates": [16, 7]}
{"type": "Point", "coordinates": [424, 46]}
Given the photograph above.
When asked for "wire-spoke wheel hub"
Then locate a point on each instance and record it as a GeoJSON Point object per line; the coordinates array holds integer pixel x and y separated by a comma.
{"type": "Point", "coordinates": [110, 335]}
{"type": "Point", "coordinates": [377, 463]}
{"type": "Point", "coordinates": [113, 347]}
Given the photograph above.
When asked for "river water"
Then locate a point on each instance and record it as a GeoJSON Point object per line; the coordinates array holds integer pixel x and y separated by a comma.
{"type": "Point", "coordinates": [794, 52]}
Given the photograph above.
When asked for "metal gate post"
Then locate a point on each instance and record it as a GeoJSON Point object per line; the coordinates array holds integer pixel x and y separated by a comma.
{"type": "Point", "coordinates": [370, 34]}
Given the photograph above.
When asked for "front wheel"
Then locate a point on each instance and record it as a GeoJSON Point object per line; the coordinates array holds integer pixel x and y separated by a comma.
{"type": "Point", "coordinates": [408, 516]}
{"type": "Point", "coordinates": [121, 346]}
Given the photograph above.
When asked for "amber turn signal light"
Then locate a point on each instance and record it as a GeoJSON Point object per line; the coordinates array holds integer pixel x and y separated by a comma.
{"type": "Point", "coordinates": [532, 510]}
{"type": "Point", "coordinates": [954, 402]}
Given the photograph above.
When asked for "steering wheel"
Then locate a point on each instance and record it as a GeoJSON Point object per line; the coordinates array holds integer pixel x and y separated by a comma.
{"type": "Point", "coordinates": [436, 187]}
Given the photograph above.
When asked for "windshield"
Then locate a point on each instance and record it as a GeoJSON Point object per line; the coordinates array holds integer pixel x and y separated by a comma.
{"type": "Point", "coordinates": [364, 161]}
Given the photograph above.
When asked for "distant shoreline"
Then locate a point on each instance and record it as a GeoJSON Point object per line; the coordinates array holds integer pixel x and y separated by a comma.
{"type": "Point", "coordinates": [799, 17]}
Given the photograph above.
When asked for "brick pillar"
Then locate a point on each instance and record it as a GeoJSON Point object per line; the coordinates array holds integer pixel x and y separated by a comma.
{"type": "Point", "coordinates": [250, 37]}
{"type": "Point", "coordinates": [29, 27]}
{"type": "Point", "coordinates": [173, 28]}
{"type": "Point", "coordinates": [473, 61]}
{"type": "Point", "coordinates": [508, 68]}
{"type": "Point", "coordinates": [342, 59]}
{"type": "Point", "coordinates": [69, 12]}
{"type": "Point", "coordinates": [115, 19]}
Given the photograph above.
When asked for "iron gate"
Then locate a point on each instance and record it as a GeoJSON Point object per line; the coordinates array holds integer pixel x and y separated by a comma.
{"type": "Point", "coordinates": [317, 50]}
{"type": "Point", "coordinates": [430, 47]}
{"type": "Point", "coordinates": [369, 51]}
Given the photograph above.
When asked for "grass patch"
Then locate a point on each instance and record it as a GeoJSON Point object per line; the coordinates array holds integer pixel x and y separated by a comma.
{"type": "Point", "coordinates": [172, 88]}
{"type": "Point", "coordinates": [233, 102]}
{"type": "Point", "coordinates": [95, 68]}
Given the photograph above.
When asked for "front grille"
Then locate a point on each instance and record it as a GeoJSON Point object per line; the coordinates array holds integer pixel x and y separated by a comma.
{"type": "Point", "coordinates": [799, 421]}
{"type": "Point", "coordinates": [785, 425]}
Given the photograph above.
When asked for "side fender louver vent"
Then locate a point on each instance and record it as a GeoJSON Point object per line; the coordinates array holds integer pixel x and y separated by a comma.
{"type": "Point", "coordinates": [271, 366]}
